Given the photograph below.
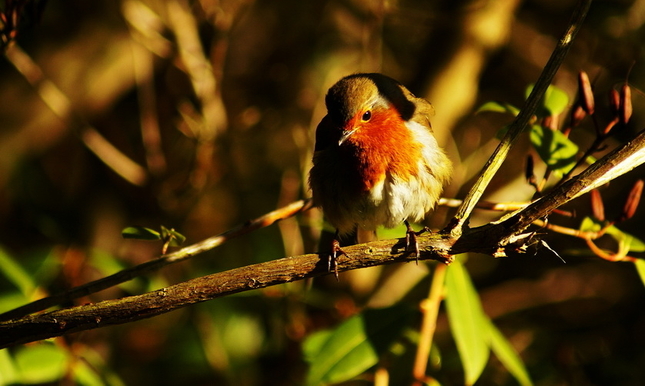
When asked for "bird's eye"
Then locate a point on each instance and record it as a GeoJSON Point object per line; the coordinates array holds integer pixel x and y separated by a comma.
{"type": "Point", "coordinates": [366, 116]}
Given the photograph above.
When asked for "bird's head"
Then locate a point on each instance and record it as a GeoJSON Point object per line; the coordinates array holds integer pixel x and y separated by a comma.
{"type": "Point", "coordinates": [368, 104]}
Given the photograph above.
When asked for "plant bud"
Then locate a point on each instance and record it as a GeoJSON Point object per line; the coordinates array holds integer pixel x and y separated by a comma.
{"type": "Point", "coordinates": [586, 93]}
{"type": "Point", "coordinates": [625, 104]}
{"type": "Point", "coordinates": [614, 101]}
{"type": "Point", "coordinates": [610, 125]}
{"type": "Point", "coordinates": [633, 199]}
{"type": "Point", "coordinates": [577, 115]}
{"type": "Point", "coordinates": [597, 206]}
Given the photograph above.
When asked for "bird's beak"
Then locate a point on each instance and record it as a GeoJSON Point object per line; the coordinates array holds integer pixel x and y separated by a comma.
{"type": "Point", "coordinates": [346, 135]}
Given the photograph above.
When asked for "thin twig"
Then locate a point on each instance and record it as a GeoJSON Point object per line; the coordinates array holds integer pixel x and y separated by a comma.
{"type": "Point", "coordinates": [613, 165]}
{"type": "Point", "coordinates": [63, 108]}
{"type": "Point", "coordinates": [110, 312]}
{"type": "Point", "coordinates": [430, 309]}
{"type": "Point", "coordinates": [154, 265]}
{"type": "Point", "coordinates": [521, 120]}
{"type": "Point", "coordinates": [494, 238]}
{"type": "Point", "coordinates": [205, 245]}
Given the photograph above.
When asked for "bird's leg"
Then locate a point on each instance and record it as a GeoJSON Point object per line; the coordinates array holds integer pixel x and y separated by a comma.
{"type": "Point", "coordinates": [336, 251]}
{"type": "Point", "coordinates": [411, 243]}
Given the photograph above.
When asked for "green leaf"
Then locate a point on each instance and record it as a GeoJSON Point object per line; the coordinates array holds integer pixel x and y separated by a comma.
{"type": "Point", "coordinates": [354, 346]}
{"type": "Point", "coordinates": [640, 268]}
{"type": "Point", "coordinates": [314, 344]}
{"type": "Point", "coordinates": [108, 264]}
{"type": "Point", "coordinates": [8, 373]}
{"type": "Point", "coordinates": [631, 242]}
{"type": "Point", "coordinates": [16, 274]}
{"type": "Point", "coordinates": [635, 244]}
{"type": "Point", "coordinates": [467, 321]}
{"type": "Point", "coordinates": [590, 224]}
{"type": "Point", "coordinates": [554, 101]}
{"type": "Point", "coordinates": [625, 240]}
{"type": "Point", "coordinates": [555, 149]}
{"type": "Point", "coordinates": [11, 300]}
{"type": "Point", "coordinates": [507, 355]}
{"type": "Point", "coordinates": [498, 107]}
{"type": "Point", "coordinates": [140, 233]}
{"type": "Point", "coordinates": [176, 238]}
{"type": "Point", "coordinates": [432, 382]}
{"type": "Point", "coordinates": [84, 375]}
{"type": "Point", "coordinates": [42, 363]}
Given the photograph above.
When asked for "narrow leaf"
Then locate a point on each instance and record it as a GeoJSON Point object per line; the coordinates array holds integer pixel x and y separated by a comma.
{"type": "Point", "coordinates": [640, 268]}
{"type": "Point", "coordinates": [589, 224]}
{"type": "Point", "coordinates": [84, 375]}
{"type": "Point", "coordinates": [8, 373]}
{"type": "Point", "coordinates": [177, 238]}
{"type": "Point", "coordinates": [16, 274]}
{"type": "Point", "coordinates": [140, 233]}
{"type": "Point", "coordinates": [354, 346]}
{"type": "Point", "coordinates": [12, 299]}
{"type": "Point", "coordinates": [630, 242]}
{"type": "Point", "coordinates": [506, 354]}
{"type": "Point", "coordinates": [171, 237]}
{"type": "Point", "coordinates": [467, 321]}
{"type": "Point", "coordinates": [554, 101]}
{"type": "Point", "coordinates": [555, 149]}
{"type": "Point", "coordinates": [42, 363]}
{"type": "Point", "coordinates": [498, 107]}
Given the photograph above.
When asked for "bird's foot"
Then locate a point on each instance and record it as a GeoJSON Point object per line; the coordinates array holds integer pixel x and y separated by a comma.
{"type": "Point", "coordinates": [332, 259]}
{"type": "Point", "coordinates": [411, 242]}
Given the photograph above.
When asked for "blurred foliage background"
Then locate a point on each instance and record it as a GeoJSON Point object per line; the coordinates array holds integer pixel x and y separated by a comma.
{"type": "Point", "coordinates": [199, 115]}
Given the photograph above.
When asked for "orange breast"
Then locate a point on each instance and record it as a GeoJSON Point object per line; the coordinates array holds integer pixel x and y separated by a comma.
{"type": "Point", "coordinates": [383, 146]}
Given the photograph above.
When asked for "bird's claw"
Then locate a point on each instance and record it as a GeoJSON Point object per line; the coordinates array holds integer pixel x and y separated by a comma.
{"type": "Point", "coordinates": [332, 260]}
{"type": "Point", "coordinates": [411, 242]}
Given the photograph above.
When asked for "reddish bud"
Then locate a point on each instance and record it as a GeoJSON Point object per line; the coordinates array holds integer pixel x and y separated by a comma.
{"type": "Point", "coordinates": [633, 199]}
{"type": "Point", "coordinates": [611, 125]}
{"type": "Point", "coordinates": [625, 104]}
{"type": "Point", "coordinates": [614, 101]}
{"type": "Point", "coordinates": [577, 115]}
{"type": "Point", "coordinates": [528, 172]}
{"type": "Point", "coordinates": [597, 206]}
{"type": "Point", "coordinates": [586, 93]}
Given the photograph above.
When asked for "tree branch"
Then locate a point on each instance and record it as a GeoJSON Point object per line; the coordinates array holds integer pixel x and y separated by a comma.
{"type": "Point", "coordinates": [496, 238]}
{"type": "Point", "coordinates": [110, 312]}
{"type": "Point", "coordinates": [155, 265]}
{"type": "Point", "coordinates": [521, 120]}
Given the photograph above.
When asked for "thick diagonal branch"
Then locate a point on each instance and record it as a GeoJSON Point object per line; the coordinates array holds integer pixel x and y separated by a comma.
{"type": "Point", "coordinates": [521, 121]}
{"type": "Point", "coordinates": [489, 239]}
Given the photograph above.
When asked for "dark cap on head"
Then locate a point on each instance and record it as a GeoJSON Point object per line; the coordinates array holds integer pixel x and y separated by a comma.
{"type": "Point", "coordinates": [349, 95]}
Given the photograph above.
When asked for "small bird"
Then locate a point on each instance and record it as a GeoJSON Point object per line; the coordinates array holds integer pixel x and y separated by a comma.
{"type": "Point", "coordinates": [376, 161]}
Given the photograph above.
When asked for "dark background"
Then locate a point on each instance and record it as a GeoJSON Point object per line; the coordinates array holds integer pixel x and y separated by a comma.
{"type": "Point", "coordinates": [216, 101]}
